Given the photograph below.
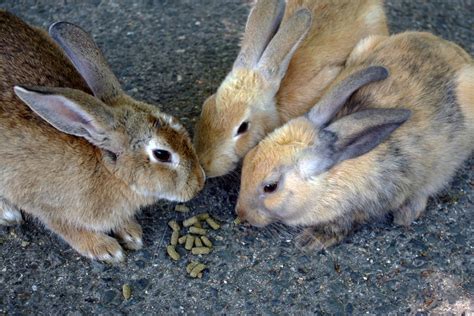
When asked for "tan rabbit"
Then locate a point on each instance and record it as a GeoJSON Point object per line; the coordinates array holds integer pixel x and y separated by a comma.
{"type": "Point", "coordinates": [289, 55]}
{"type": "Point", "coordinates": [82, 164]}
{"type": "Point", "coordinates": [394, 143]}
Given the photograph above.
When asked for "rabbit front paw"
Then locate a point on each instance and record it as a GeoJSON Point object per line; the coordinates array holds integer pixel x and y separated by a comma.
{"type": "Point", "coordinates": [130, 235]}
{"type": "Point", "coordinates": [410, 211]}
{"type": "Point", "coordinates": [91, 244]}
{"type": "Point", "coordinates": [312, 239]}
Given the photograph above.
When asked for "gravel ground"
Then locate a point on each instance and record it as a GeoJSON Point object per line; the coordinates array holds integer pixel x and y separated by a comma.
{"type": "Point", "coordinates": [174, 54]}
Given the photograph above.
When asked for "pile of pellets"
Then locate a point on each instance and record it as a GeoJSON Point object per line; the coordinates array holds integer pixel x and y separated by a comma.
{"type": "Point", "coordinates": [194, 240]}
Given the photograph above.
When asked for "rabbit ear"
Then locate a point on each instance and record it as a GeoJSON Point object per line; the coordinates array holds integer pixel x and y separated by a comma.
{"type": "Point", "coordinates": [350, 137]}
{"type": "Point", "coordinates": [262, 23]}
{"type": "Point", "coordinates": [72, 112]}
{"type": "Point", "coordinates": [325, 110]}
{"type": "Point", "coordinates": [87, 59]}
{"type": "Point", "coordinates": [276, 57]}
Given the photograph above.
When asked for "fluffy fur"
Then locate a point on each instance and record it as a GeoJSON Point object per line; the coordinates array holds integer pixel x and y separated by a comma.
{"type": "Point", "coordinates": [429, 77]}
{"type": "Point", "coordinates": [276, 79]}
{"type": "Point", "coordinates": [82, 188]}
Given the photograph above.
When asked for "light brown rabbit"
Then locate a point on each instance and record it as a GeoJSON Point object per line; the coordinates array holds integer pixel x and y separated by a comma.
{"type": "Point", "coordinates": [289, 55]}
{"type": "Point", "coordinates": [82, 164]}
{"type": "Point", "coordinates": [395, 142]}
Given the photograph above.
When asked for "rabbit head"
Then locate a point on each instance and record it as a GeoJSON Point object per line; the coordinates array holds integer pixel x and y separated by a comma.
{"type": "Point", "coordinates": [290, 172]}
{"type": "Point", "coordinates": [147, 149]}
{"type": "Point", "coordinates": [243, 110]}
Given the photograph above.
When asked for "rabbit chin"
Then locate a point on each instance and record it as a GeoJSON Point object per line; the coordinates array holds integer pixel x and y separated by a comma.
{"type": "Point", "coordinates": [163, 195]}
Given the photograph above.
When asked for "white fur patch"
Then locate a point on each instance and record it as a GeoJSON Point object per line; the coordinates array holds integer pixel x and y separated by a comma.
{"type": "Point", "coordinates": [374, 16]}
{"type": "Point", "coordinates": [155, 144]}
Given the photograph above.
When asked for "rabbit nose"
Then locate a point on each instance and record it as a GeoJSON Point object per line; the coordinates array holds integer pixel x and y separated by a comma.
{"type": "Point", "coordinates": [240, 212]}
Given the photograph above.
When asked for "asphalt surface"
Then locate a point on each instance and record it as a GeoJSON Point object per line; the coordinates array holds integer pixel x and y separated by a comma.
{"type": "Point", "coordinates": [174, 54]}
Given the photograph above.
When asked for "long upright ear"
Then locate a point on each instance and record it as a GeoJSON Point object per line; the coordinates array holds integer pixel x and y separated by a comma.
{"type": "Point", "coordinates": [332, 102]}
{"type": "Point", "coordinates": [87, 59]}
{"type": "Point", "coordinates": [275, 59]}
{"type": "Point", "coordinates": [72, 112]}
{"type": "Point", "coordinates": [360, 132]}
{"type": "Point", "coordinates": [262, 23]}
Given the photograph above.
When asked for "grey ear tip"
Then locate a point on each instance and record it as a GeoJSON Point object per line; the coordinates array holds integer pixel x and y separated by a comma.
{"type": "Point", "coordinates": [305, 14]}
{"type": "Point", "coordinates": [381, 71]}
{"type": "Point", "coordinates": [407, 113]}
{"type": "Point", "coordinates": [59, 27]}
{"type": "Point", "coordinates": [55, 27]}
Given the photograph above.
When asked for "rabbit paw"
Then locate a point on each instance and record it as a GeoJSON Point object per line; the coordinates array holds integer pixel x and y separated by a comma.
{"type": "Point", "coordinates": [130, 235]}
{"type": "Point", "coordinates": [313, 240]}
{"type": "Point", "coordinates": [103, 248]}
{"type": "Point", "coordinates": [409, 211]}
{"type": "Point", "coordinates": [9, 214]}
{"type": "Point", "coordinates": [91, 244]}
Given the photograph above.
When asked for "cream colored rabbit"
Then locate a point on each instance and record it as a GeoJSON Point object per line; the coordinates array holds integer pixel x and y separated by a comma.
{"type": "Point", "coordinates": [82, 164]}
{"type": "Point", "coordinates": [367, 148]}
{"type": "Point", "coordinates": [289, 55]}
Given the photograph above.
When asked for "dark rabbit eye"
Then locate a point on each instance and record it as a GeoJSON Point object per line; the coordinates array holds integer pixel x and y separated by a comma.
{"type": "Point", "coordinates": [270, 188]}
{"type": "Point", "coordinates": [162, 155]}
{"type": "Point", "coordinates": [243, 128]}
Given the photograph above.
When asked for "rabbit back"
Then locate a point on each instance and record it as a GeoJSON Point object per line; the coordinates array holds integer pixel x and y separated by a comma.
{"type": "Point", "coordinates": [336, 28]}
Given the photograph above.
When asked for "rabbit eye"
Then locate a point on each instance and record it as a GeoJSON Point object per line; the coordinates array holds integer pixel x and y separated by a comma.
{"type": "Point", "coordinates": [243, 128]}
{"type": "Point", "coordinates": [162, 155]}
{"type": "Point", "coordinates": [270, 188]}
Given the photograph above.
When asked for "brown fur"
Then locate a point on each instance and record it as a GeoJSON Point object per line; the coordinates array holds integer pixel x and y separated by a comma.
{"type": "Point", "coordinates": [429, 76]}
{"type": "Point", "coordinates": [336, 28]}
{"type": "Point", "coordinates": [77, 189]}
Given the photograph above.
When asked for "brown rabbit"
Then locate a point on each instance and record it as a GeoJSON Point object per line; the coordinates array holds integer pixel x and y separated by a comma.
{"type": "Point", "coordinates": [394, 143]}
{"type": "Point", "coordinates": [289, 55]}
{"type": "Point", "coordinates": [83, 164]}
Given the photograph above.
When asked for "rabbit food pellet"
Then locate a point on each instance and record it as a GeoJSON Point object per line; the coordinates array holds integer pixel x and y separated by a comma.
{"type": "Point", "coordinates": [206, 241]}
{"type": "Point", "coordinates": [197, 231]}
{"type": "Point", "coordinates": [174, 238]}
{"type": "Point", "coordinates": [212, 223]}
{"type": "Point", "coordinates": [195, 240]}
{"type": "Point", "coordinates": [172, 252]}
{"type": "Point", "coordinates": [189, 242]}
{"type": "Point", "coordinates": [200, 250]}
{"type": "Point", "coordinates": [126, 291]}
{"type": "Point", "coordinates": [181, 208]}
{"type": "Point", "coordinates": [174, 225]}
{"type": "Point", "coordinates": [182, 239]}
{"type": "Point", "coordinates": [190, 221]}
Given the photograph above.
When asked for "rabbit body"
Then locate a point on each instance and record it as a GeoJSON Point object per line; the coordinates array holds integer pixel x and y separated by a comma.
{"type": "Point", "coordinates": [431, 78]}
{"type": "Point", "coordinates": [78, 189]}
